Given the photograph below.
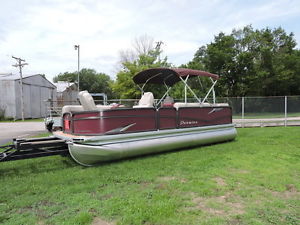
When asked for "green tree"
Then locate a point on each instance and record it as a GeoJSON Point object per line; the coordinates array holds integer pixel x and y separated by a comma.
{"type": "Point", "coordinates": [89, 80]}
{"type": "Point", "coordinates": [251, 62]}
{"type": "Point", "coordinates": [144, 57]}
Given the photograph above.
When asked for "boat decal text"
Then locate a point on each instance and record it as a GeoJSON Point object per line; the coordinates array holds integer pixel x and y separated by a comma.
{"type": "Point", "coordinates": [192, 122]}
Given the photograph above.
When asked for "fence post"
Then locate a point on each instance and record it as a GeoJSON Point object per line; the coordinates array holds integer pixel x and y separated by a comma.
{"type": "Point", "coordinates": [285, 111]}
{"type": "Point", "coordinates": [243, 111]}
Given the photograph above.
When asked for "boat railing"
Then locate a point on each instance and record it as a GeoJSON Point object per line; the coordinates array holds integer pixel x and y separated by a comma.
{"type": "Point", "coordinates": [54, 108]}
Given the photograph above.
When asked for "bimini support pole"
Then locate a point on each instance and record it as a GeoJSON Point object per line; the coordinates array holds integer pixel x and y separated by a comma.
{"type": "Point", "coordinates": [149, 79]}
{"type": "Point", "coordinates": [185, 90]}
{"type": "Point", "coordinates": [167, 92]}
{"type": "Point", "coordinates": [141, 89]}
{"type": "Point", "coordinates": [169, 88]}
{"type": "Point", "coordinates": [187, 86]}
{"type": "Point", "coordinates": [212, 87]}
{"type": "Point", "coordinates": [213, 92]}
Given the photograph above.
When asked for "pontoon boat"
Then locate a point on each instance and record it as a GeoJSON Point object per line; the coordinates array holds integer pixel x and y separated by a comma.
{"type": "Point", "coordinates": [99, 133]}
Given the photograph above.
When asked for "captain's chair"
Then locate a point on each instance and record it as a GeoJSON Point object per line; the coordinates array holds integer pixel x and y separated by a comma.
{"type": "Point", "coordinates": [87, 101]}
{"type": "Point", "coordinates": [146, 101]}
{"type": "Point", "coordinates": [87, 104]}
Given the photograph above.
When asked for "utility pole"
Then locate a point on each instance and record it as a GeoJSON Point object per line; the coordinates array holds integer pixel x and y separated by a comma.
{"type": "Point", "coordinates": [77, 47]}
{"type": "Point", "coordinates": [20, 63]}
{"type": "Point", "coordinates": [158, 44]}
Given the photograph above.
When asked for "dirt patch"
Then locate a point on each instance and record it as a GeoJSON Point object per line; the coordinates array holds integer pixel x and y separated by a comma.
{"type": "Point", "coordinates": [218, 205]}
{"type": "Point", "coordinates": [290, 193]}
{"type": "Point", "coordinates": [145, 184]}
{"type": "Point", "coordinates": [93, 211]}
{"type": "Point", "coordinates": [161, 186]}
{"type": "Point", "coordinates": [162, 182]}
{"type": "Point", "coordinates": [291, 188]}
{"type": "Point", "coordinates": [99, 221]}
{"type": "Point", "coordinates": [47, 203]}
{"type": "Point", "coordinates": [182, 180]}
{"type": "Point", "coordinates": [220, 181]}
{"type": "Point", "coordinates": [166, 178]}
{"type": "Point", "coordinates": [170, 178]}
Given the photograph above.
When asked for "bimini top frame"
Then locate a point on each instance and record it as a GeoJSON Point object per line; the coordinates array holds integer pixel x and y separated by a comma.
{"type": "Point", "coordinates": [170, 76]}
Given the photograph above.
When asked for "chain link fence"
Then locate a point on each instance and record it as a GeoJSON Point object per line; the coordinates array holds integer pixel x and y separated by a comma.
{"type": "Point", "coordinates": [265, 111]}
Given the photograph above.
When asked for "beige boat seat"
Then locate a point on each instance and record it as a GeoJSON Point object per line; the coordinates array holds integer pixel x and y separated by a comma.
{"type": "Point", "coordinates": [87, 101]}
{"type": "Point", "coordinates": [87, 104]}
{"type": "Point", "coordinates": [79, 108]}
{"type": "Point", "coordinates": [71, 108]}
{"type": "Point", "coordinates": [186, 104]}
{"type": "Point", "coordinates": [146, 101]}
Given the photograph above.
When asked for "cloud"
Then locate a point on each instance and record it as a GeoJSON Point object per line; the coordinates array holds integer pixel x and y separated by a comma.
{"type": "Point", "coordinates": [44, 32]}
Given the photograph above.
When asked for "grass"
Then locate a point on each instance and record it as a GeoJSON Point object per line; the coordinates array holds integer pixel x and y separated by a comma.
{"type": "Point", "coordinates": [252, 180]}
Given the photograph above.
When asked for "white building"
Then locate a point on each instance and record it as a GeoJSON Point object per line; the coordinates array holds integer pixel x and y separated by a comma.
{"type": "Point", "coordinates": [66, 93]}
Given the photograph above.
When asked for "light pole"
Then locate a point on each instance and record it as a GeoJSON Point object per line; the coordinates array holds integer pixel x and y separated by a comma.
{"type": "Point", "coordinates": [77, 47]}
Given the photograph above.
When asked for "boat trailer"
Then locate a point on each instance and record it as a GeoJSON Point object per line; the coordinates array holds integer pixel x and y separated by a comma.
{"type": "Point", "coordinates": [33, 148]}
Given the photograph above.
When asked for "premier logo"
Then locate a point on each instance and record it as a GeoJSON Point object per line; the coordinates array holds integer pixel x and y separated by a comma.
{"type": "Point", "coordinates": [192, 122]}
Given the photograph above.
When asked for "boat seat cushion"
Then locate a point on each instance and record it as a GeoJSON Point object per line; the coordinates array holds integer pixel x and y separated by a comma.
{"type": "Point", "coordinates": [87, 101]}
{"type": "Point", "coordinates": [147, 100]}
{"type": "Point", "coordinates": [197, 104]}
{"type": "Point", "coordinates": [101, 107]}
{"type": "Point", "coordinates": [79, 108]}
{"type": "Point", "coordinates": [186, 104]}
{"type": "Point", "coordinates": [221, 105]}
{"type": "Point", "coordinates": [71, 108]}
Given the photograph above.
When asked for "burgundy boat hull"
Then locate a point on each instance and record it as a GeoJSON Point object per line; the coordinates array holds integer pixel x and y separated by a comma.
{"type": "Point", "coordinates": [129, 120]}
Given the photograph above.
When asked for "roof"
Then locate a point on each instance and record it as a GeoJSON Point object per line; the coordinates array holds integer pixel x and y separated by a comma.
{"type": "Point", "coordinates": [168, 76]}
{"type": "Point", "coordinates": [14, 77]}
{"type": "Point", "coordinates": [63, 85]}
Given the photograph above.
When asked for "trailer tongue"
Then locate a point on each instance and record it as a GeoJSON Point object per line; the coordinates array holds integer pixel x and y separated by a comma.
{"type": "Point", "coordinates": [33, 148]}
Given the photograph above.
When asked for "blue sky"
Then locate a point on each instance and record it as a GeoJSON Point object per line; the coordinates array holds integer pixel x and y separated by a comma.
{"type": "Point", "coordinates": [44, 31]}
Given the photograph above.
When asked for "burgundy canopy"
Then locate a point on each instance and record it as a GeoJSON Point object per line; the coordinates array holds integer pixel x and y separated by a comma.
{"type": "Point", "coordinates": [168, 76]}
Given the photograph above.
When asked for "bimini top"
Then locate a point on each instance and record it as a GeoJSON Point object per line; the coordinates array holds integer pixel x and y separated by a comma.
{"type": "Point", "coordinates": [168, 76]}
